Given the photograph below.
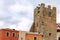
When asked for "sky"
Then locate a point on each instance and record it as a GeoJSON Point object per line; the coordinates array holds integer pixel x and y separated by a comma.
{"type": "Point", "coordinates": [18, 14]}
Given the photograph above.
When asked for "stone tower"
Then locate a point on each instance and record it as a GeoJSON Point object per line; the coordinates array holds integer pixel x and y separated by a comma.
{"type": "Point", "coordinates": [45, 22]}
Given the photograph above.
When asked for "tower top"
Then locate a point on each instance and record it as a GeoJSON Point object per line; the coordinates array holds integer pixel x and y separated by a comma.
{"type": "Point", "coordinates": [49, 6]}
{"type": "Point", "coordinates": [42, 4]}
{"type": "Point", "coordinates": [54, 8]}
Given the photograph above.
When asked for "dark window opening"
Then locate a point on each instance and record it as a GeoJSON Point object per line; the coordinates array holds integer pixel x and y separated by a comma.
{"type": "Point", "coordinates": [18, 35]}
{"type": "Point", "coordinates": [59, 38]}
{"type": "Point", "coordinates": [13, 29]}
{"type": "Point", "coordinates": [35, 38]}
{"type": "Point", "coordinates": [49, 14]}
{"type": "Point", "coordinates": [42, 35]}
{"type": "Point", "coordinates": [21, 38]}
{"type": "Point", "coordinates": [38, 11]}
{"type": "Point", "coordinates": [39, 32]}
{"type": "Point", "coordinates": [58, 30]}
{"type": "Point", "coordinates": [7, 34]}
{"type": "Point", "coordinates": [13, 34]}
{"type": "Point", "coordinates": [49, 34]}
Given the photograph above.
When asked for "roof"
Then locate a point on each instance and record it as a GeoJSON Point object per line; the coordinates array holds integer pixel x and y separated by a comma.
{"type": "Point", "coordinates": [58, 27]}
{"type": "Point", "coordinates": [30, 32]}
{"type": "Point", "coordinates": [8, 29]}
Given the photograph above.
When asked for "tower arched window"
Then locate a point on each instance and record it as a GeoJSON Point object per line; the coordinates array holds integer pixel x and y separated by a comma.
{"type": "Point", "coordinates": [49, 14]}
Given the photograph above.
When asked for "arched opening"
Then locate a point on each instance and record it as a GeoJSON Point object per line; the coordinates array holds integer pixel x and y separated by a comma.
{"type": "Point", "coordinates": [59, 38]}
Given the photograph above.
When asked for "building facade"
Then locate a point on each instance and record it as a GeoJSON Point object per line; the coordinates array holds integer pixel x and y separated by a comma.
{"type": "Point", "coordinates": [58, 34]}
{"type": "Point", "coordinates": [45, 22]}
{"type": "Point", "coordinates": [9, 34]}
{"type": "Point", "coordinates": [58, 31]}
{"type": "Point", "coordinates": [29, 36]}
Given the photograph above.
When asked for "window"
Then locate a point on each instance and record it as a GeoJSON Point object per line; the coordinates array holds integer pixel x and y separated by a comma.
{"type": "Point", "coordinates": [35, 38]}
{"type": "Point", "coordinates": [7, 34]}
{"type": "Point", "coordinates": [39, 32]}
{"type": "Point", "coordinates": [38, 11]}
{"type": "Point", "coordinates": [49, 14]}
{"type": "Point", "coordinates": [59, 38]}
{"type": "Point", "coordinates": [38, 8]}
{"type": "Point", "coordinates": [21, 38]}
{"type": "Point", "coordinates": [49, 34]}
{"type": "Point", "coordinates": [42, 35]}
{"type": "Point", "coordinates": [13, 34]}
{"type": "Point", "coordinates": [42, 23]}
{"type": "Point", "coordinates": [18, 35]}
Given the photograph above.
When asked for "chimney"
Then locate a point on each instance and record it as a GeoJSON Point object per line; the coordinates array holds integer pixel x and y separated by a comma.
{"type": "Point", "coordinates": [13, 29]}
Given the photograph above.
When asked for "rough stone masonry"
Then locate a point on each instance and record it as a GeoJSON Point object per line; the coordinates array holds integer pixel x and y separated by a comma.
{"type": "Point", "coordinates": [45, 22]}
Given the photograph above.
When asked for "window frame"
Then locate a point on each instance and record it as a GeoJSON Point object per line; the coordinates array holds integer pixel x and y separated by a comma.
{"type": "Point", "coordinates": [50, 14]}
{"type": "Point", "coordinates": [50, 34]}
{"type": "Point", "coordinates": [8, 34]}
{"type": "Point", "coordinates": [36, 38]}
{"type": "Point", "coordinates": [13, 34]}
{"type": "Point", "coordinates": [21, 38]}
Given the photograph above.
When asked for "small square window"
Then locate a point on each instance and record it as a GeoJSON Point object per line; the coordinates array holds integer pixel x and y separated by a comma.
{"type": "Point", "coordinates": [49, 14]}
{"type": "Point", "coordinates": [49, 34]}
{"type": "Point", "coordinates": [39, 32]}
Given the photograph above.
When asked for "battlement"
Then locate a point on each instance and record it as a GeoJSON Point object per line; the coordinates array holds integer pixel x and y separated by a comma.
{"type": "Point", "coordinates": [49, 6]}
{"type": "Point", "coordinates": [45, 21]}
{"type": "Point", "coordinates": [54, 8]}
{"type": "Point", "coordinates": [43, 5]}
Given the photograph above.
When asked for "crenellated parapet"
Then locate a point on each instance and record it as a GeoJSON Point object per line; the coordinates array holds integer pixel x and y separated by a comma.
{"type": "Point", "coordinates": [45, 21]}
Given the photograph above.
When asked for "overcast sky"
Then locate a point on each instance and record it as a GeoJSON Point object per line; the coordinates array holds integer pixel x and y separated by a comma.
{"type": "Point", "coordinates": [18, 14]}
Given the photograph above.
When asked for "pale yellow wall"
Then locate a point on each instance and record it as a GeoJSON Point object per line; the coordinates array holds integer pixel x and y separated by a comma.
{"type": "Point", "coordinates": [58, 35]}
{"type": "Point", "coordinates": [22, 35]}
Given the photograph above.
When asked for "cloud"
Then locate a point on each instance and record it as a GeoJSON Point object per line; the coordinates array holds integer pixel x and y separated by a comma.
{"type": "Point", "coordinates": [17, 8]}
{"type": "Point", "coordinates": [18, 14]}
{"type": "Point", "coordinates": [25, 24]}
{"type": "Point", "coordinates": [1, 23]}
